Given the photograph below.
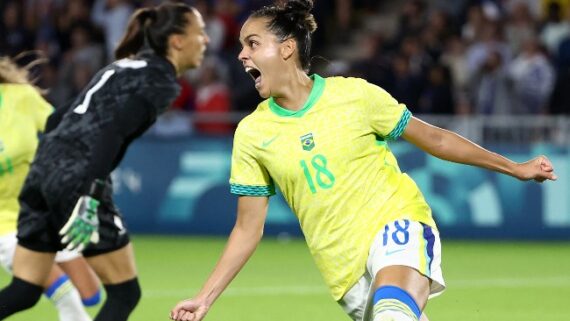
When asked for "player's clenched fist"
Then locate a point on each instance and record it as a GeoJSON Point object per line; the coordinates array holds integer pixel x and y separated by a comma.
{"type": "Point", "coordinates": [538, 169]}
{"type": "Point", "coordinates": [189, 310]}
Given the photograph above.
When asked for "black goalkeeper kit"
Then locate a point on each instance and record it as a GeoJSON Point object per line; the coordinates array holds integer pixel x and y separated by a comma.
{"type": "Point", "coordinates": [85, 141]}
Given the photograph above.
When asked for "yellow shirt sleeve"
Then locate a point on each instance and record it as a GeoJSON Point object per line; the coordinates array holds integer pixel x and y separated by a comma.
{"type": "Point", "coordinates": [36, 107]}
{"type": "Point", "coordinates": [386, 116]}
{"type": "Point", "coordinates": [248, 176]}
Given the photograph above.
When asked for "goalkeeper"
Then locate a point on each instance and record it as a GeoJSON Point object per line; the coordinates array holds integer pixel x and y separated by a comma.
{"type": "Point", "coordinates": [66, 201]}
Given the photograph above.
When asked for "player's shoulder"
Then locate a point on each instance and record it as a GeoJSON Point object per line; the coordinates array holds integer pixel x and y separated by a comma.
{"type": "Point", "coordinates": [15, 94]}
{"type": "Point", "coordinates": [151, 74]}
{"type": "Point", "coordinates": [146, 65]}
{"type": "Point", "coordinates": [250, 123]}
{"type": "Point", "coordinates": [156, 63]}
{"type": "Point", "coordinates": [341, 88]}
{"type": "Point", "coordinates": [346, 86]}
{"type": "Point", "coordinates": [355, 86]}
{"type": "Point", "coordinates": [345, 82]}
{"type": "Point", "coordinates": [19, 89]}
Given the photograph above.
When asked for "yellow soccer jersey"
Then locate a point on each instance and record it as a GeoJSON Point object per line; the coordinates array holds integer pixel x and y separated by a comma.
{"type": "Point", "coordinates": [334, 169]}
{"type": "Point", "coordinates": [23, 113]}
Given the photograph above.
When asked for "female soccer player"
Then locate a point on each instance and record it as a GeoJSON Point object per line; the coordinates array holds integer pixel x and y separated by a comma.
{"type": "Point", "coordinates": [67, 192]}
{"type": "Point", "coordinates": [322, 141]}
{"type": "Point", "coordinates": [23, 113]}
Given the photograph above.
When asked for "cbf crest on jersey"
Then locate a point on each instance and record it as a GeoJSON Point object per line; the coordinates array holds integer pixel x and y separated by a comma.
{"type": "Point", "coordinates": [307, 141]}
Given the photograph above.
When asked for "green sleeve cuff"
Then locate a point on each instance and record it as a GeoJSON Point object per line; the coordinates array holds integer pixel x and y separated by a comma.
{"type": "Point", "coordinates": [252, 190]}
{"type": "Point", "coordinates": [401, 126]}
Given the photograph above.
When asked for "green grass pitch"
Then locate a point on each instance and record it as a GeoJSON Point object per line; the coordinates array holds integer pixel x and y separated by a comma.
{"type": "Point", "coordinates": [486, 281]}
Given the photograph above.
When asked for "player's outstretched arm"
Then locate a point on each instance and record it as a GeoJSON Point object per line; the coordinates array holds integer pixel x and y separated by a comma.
{"type": "Point", "coordinates": [452, 147]}
{"type": "Point", "coordinates": [242, 242]}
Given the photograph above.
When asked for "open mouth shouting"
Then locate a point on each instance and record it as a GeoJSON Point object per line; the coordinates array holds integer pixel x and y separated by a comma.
{"type": "Point", "coordinates": [255, 74]}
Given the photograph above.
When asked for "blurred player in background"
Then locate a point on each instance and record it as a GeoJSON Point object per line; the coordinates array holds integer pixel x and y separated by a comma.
{"type": "Point", "coordinates": [323, 142]}
{"type": "Point", "coordinates": [68, 193]}
{"type": "Point", "coordinates": [23, 114]}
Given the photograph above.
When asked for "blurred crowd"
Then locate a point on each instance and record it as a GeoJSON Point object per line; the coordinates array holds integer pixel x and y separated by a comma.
{"type": "Point", "coordinates": [487, 57]}
{"type": "Point", "coordinates": [441, 57]}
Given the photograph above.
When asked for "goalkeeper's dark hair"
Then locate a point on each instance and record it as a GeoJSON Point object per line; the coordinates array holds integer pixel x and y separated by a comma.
{"type": "Point", "coordinates": [291, 19]}
{"type": "Point", "coordinates": [152, 27]}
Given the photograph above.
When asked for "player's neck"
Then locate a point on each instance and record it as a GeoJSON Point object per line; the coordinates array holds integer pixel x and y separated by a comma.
{"type": "Point", "coordinates": [174, 64]}
{"type": "Point", "coordinates": [294, 92]}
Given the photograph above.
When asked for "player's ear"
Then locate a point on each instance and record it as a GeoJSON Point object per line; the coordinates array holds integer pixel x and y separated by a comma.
{"type": "Point", "coordinates": [175, 41]}
{"type": "Point", "coordinates": [287, 48]}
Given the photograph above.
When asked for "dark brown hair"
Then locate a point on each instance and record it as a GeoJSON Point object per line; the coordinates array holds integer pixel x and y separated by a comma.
{"type": "Point", "coordinates": [152, 27]}
{"type": "Point", "coordinates": [293, 19]}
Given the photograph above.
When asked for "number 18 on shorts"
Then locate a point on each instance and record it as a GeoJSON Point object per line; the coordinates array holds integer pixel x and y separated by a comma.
{"type": "Point", "coordinates": [408, 243]}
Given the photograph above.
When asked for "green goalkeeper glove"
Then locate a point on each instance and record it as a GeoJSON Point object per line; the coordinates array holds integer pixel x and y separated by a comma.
{"type": "Point", "coordinates": [81, 228]}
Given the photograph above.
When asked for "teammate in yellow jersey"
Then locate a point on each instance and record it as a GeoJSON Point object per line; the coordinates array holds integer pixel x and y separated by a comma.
{"type": "Point", "coordinates": [367, 225]}
{"type": "Point", "coordinates": [23, 114]}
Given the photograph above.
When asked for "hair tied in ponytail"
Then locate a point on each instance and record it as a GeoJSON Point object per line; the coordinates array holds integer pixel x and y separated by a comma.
{"type": "Point", "coordinates": [149, 28]}
{"type": "Point", "coordinates": [299, 6]}
{"type": "Point", "coordinates": [147, 16]}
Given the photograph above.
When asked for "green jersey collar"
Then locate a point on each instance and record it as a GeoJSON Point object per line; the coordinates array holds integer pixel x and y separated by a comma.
{"type": "Point", "coordinates": [316, 92]}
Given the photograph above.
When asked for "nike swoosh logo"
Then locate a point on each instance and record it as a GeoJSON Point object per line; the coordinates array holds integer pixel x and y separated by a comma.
{"type": "Point", "coordinates": [268, 142]}
{"type": "Point", "coordinates": [388, 253]}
